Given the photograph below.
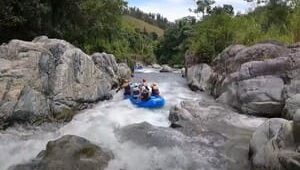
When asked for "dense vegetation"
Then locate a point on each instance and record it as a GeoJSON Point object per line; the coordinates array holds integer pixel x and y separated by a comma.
{"type": "Point", "coordinates": [93, 25]}
{"type": "Point", "coordinates": [274, 20]}
{"type": "Point", "coordinates": [154, 19]}
{"type": "Point", "coordinates": [132, 35]}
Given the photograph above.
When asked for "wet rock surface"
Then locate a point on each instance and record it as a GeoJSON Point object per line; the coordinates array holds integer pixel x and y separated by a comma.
{"type": "Point", "coordinates": [228, 132]}
{"type": "Point", "coordinates": [69, 153]}
{"type": "Point", "coordinates": [170, 141]}
{"type": "Point", "coordinates": [166, 69]}
{"type": "Point", "coordinates": [275, 145]}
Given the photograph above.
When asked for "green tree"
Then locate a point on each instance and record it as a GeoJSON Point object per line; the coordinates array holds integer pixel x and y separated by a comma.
{"type": "Point", "coordinates": [204, 6]}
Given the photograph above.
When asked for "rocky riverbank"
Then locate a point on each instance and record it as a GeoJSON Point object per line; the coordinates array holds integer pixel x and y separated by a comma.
{"type": "Point", "coordinates": [261, 80]}
{"type": "Point", "coordinates": [48, 80]}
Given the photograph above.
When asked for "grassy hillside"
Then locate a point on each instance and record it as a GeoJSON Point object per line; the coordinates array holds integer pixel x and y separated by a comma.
{"type": "Point", "coordinates": [137, 23]}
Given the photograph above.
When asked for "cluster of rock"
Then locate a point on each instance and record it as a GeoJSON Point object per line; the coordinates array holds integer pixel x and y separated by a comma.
{"type": "Point", "coordinates": [50, 80]}
{"type": "Point", "coordinates": [69, 153]}
{"type": "Point", "coordinates": [276, 144]}
{"type": "Point", "coordinates": [261, 80]}
{"type": "Point", "coordinates": [207, 120]}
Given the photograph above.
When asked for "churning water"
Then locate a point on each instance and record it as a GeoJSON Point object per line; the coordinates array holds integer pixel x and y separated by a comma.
{"type": "Point", "coordinates": [19, 145]}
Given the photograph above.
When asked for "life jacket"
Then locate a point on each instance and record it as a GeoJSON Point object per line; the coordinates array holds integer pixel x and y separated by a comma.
{"type": "Point", "coordinates": [135, 92]}
{"type": "Point", "coordinates": [155, 91]}
{"type": "Point", "coordinates": [127, 90]}
{"type": "Point", "coordinates": [145, 94]}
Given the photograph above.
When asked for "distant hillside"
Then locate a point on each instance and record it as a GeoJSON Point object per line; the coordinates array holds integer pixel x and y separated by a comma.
{"type": "Point", "coordinates": [142, 25]}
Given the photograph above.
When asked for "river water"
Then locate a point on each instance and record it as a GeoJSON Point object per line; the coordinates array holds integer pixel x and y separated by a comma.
{"type": "Point", "coordinates": [20, 144]}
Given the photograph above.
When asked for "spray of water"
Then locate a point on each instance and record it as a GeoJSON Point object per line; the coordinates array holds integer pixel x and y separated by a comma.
{"type": "Point", "coordinates": [19, 145]}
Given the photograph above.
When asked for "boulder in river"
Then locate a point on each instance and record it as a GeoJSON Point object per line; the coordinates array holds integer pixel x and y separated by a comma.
{"type": "Point", "coordinates": [69, 153]}
{"type": "Point", "coordinates": [227, 131]}
{"type": "Point", "coordinates": [50, 80]}
{"type": "Point", "coordinates": [148, 135]}
{"type": "Point", "coordinates": [276, 145]}
{"type": "Point", "coordinates": [156, 66]}
{"type": "Point", "coordinates": [199, 76]}
{"type": "Point", "coordinates": [166, 68]}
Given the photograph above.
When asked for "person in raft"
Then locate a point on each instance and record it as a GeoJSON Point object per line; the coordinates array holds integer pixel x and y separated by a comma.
{"type": "Point", "coordinates": [145, 94]}
{"type": "Point", "coordinates": [154, 90]}
{"type": "Point", "coordinates": [145, 84]}
{"type": "Point", "coordinates": [127, 88]}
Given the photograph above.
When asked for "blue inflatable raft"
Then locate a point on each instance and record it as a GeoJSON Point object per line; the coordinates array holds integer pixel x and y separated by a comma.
{"type": "Point", "coordinates": [152, 103]}
{"type": "Point", "coordinates": [138, 67]}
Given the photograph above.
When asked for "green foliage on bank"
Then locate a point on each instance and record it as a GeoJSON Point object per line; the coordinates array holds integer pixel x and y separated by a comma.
{"type": "Point", "coordinates": [92, 25]}
{"type": "Point", "coordinates": [277, 20]}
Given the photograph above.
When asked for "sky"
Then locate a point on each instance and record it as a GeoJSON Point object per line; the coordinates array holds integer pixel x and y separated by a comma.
{"type": "Point", "coordinates": [176, 9]}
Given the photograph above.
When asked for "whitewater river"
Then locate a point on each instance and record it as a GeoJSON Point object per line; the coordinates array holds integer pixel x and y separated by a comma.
{"type": "Point", "coordinates": [18, 145]}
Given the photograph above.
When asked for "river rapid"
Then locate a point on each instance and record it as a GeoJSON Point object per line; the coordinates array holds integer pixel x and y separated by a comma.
{"type": "Point", "coordinates": [98, 124]}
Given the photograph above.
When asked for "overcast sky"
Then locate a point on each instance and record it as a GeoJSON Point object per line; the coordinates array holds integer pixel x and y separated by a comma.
{"type": "Point", "coordinates": [175, 9]}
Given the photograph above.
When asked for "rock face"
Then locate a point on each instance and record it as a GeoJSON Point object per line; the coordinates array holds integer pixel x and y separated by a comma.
{"type": "Point", "coordinates": [260, 80]}
{"type": "Point", "coordinates": [275, 145]}
{"type": "Point", "coordinates": [229, 131]}
{"type": "Point", "coordinates": [69, 153]}
{"type": "Point", "coordinates": [198, 77]}
{"type": "Point", "coordinates": [50, 79]}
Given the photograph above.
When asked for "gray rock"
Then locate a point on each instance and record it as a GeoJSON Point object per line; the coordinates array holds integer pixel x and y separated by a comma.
{"type": "Point", "coordinates": [156, 66]}
{"type": "Point", "coordinates": [262, 154]}
{"type": "Point", "coordinates": [147, 135]}
{"type": "Point", "coordinates": [292, 88]}
{"type": "Point", "coordinates": [296, 126]}
{"type": "Point", "coordinates": [50, 79]}
{"type": "Point", "coordinates": [124, 71]}
{"type": "Point", "coordinates": [31, 107]}
{"type": "Point", "coordinates": [291, 106]}
{"type": "Point", "coordinates": [199, 77]}
{"type": "Point", "coordinates": [166, 68]}
{"type": "Point", "coordinates": [222, 61]}
{"type": "Point", "coordinates": [273, 145]}
{"type": "Point", "coordinates": [261, 96]}
{"type": "Point", "coordinates": [103, 60]}
{"type": "Point", "coordinates": [276, 67]}
{"type": "Point", "coordinates": [258, 52]}
{"type": "Point", "coordinates": [69, 153]}
{"type": "Point", "coordinates": [207, 120]}
{"type": "Point", "coordinates": [183, 72]}
{"type": "Point", "coordinates": [191, 59]}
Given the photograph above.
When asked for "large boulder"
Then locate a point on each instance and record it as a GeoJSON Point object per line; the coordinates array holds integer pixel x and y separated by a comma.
{"type": "Point", "coordinates": [166, 68]}
{"type": "Point", "coordinates": [227, 56]}
{"type": "Point", "coordinates": [49, 80]}
{"type": "Point", "coordinates": [257, 52]}
{"type": "Point", "coordinates": [69, 153]}
{"type": "Point", "coordinates": [291, 106]}
{"type": "Point", "coordinates": [169, 148]}
{"type": "Point", "coordinates": [199, 76]}
{"type": "Point", "coordinates": [156, 66]}
{"type": "Point", "coordinates": [148, 135]}
{"type": "Point", "coordinates": [258, 79]}
{"type": "Point", "coordinates": [226, 130]}
{"type": "Point", "coordinates": [261, 96]}
{"type": "Point", "coordinates": [124, 71]}
{"type": "Point", "coordinates": [275, 145]}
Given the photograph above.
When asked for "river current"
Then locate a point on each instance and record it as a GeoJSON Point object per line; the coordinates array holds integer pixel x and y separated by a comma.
{"type": "Point", "coordinates": [98, 124]}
